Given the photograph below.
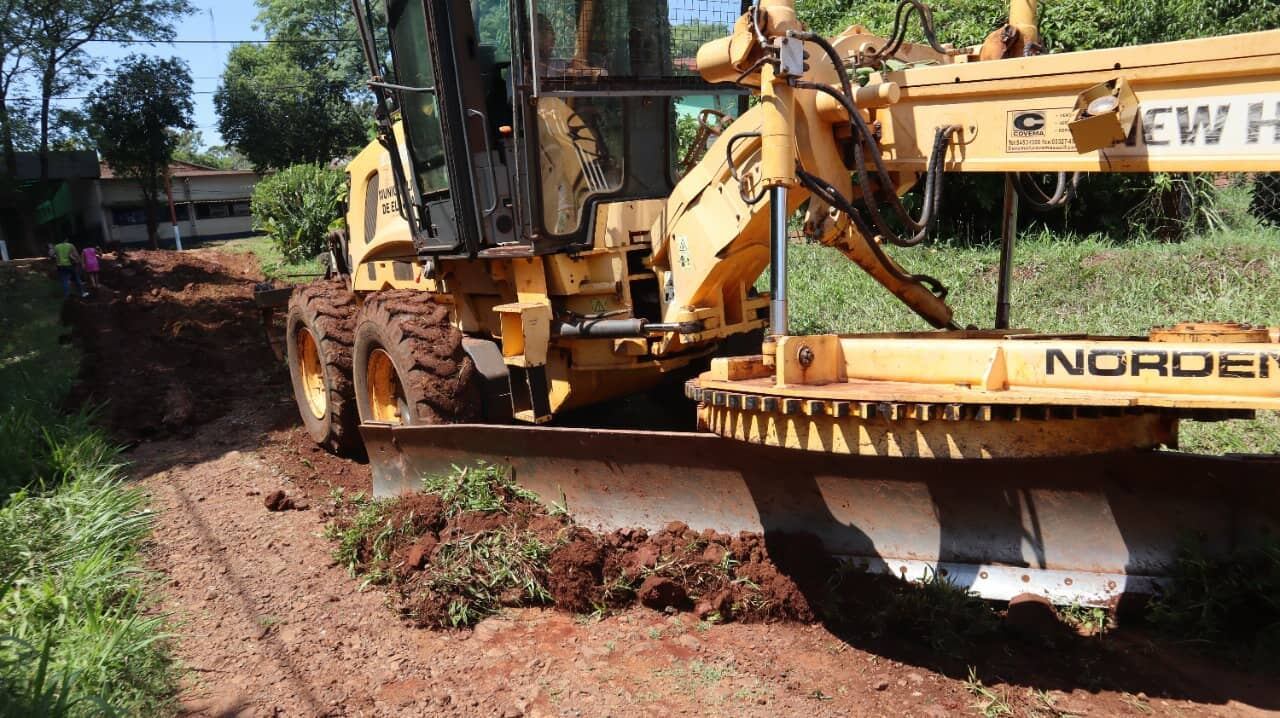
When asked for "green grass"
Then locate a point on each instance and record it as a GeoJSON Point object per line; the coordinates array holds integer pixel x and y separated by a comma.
{"type": "Point", "coordinates": [36, 367]}
{"type": "Point", "coordinates": [363, 542]}
{"type": "Point", "coordinates": [273, 263]}
{"type": "Point", "coordinates": [77, 633]}
{"type": "Point", "coordinates": [988, 703]}
{"type": "Point", "coordinates": [475, 571]}
{"type": "Point", "coordinates": [1069, 284]}
{"type": "Point", "coordinates": [482, 487]}
{"type": "Point", "coordinates": [1226, 605]}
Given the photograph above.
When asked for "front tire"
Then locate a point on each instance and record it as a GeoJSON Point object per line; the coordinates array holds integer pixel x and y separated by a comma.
{"type": "Point", "coordinates": [409, 364]}
{"type": "Point", "coordinates": [319, 334]}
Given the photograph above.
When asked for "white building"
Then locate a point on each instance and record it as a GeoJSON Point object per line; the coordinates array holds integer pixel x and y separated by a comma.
{"type": "Point", "coordinates": [210, 204]}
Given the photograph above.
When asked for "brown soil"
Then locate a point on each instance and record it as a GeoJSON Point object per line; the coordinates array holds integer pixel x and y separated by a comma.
{"type": "Point", "coordinates": [677, 569]}
{"type": "Point", "coordinates": [172, 340]}
{"type": "Point", "coordinates": [267, 624]}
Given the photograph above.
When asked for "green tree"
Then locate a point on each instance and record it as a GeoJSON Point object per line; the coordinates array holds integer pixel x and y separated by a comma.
{"type": "Point", "coordinates": [330, 20]}
{"type": "Point", "coordinates": [278, 105]}
{"type": "Point", "coordinates": [190, 147]}
{"type": "Point", "coordinates": [60, 29]}
{"type": "Point", "coordinates": [16, 120]}
{"type": "Point", "coordinates": [296, 207]}
{"type": "Point", "coordinates": [133, 116]}
{"type": "Point", "coordinates": [1064, 24]}
{"type": "Point", "coordinates": [687, 37]}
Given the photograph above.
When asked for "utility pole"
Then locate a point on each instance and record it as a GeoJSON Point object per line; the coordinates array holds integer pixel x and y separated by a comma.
{"type": "Point", "coordinates": [173, 213]}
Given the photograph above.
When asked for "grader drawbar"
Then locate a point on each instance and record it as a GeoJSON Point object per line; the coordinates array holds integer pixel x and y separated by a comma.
{"type": "Point", "coordinates": [528, 237]}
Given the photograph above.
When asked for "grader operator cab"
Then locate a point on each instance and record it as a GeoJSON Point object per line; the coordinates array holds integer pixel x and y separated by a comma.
{"type": "Point", "coordinates": [528, 236]}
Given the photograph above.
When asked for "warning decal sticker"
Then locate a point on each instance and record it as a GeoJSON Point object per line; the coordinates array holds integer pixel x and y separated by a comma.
{"type": "Point", "coordinates": [1039, 131]}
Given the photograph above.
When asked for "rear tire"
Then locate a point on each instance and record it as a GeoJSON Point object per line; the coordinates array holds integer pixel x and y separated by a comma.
{"type": "Point", "coordinates": [409, 364]}
{"type": "Point", "coordinates": [318, 336]}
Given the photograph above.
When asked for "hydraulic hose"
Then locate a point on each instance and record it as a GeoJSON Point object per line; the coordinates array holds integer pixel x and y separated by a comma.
{"type": "Point", "coordinates": [1037, 200]}
{"type": "Point", "coordinates": [919, 228]}
{"type": "Point", "coordinates": [824, 191]}
{"type": "Point", "coordinates": [899, 33]}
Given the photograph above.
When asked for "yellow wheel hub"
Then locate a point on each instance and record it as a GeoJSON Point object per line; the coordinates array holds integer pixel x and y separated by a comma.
{"type": "Point", "coordinates": [312, 374]}
{"type": "Point", "coordinates": [386, 395]}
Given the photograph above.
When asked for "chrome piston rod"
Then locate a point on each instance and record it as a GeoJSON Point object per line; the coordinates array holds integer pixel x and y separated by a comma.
{"type": "Point", "coordinates": [778, 261]}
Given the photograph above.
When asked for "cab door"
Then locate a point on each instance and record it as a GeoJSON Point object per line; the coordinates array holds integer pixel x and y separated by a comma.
{"type": "Point", "coordinates": [432, 182]}
{"type": "Point", "coordinates": [477, 52]}
{"type": "Point", "coordinates": [443, 77]}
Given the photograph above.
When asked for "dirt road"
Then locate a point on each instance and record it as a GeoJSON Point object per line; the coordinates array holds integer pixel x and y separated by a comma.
{"type": "Point", "coordinates": [268, 625]}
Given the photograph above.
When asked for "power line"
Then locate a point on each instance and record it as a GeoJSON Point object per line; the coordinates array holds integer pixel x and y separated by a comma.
{"type": "Point", "coordinates": [200, 92]}
{"type": "Point", "coordinates": [272, 41]}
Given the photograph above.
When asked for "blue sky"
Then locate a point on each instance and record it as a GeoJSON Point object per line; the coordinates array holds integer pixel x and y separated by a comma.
{"type": "Point", "coordinates": [213, 20]}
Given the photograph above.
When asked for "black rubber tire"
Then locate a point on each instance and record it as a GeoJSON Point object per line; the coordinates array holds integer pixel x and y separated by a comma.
{"type": "Point", "coordinates": [327, 309]}
{"type": "Point", "coordinates": [440, 382]}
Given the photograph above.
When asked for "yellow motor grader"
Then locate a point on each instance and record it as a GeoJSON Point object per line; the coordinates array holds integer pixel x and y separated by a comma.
{"type": "Point", "coordinates": [527, 237]}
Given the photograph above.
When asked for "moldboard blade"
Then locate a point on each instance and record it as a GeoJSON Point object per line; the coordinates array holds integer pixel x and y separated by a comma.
{"type": "Point", "coordinates": [1081, 529]}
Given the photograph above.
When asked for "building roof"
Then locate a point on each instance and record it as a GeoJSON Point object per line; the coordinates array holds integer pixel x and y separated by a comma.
{"type": "Point", "coordinates": [80, 164]}
{"type": "Point", "coordinates": [179, 168]}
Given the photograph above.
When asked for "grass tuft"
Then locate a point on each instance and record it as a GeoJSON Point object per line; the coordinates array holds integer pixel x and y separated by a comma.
{"type": "Point", "coordinates": [933, 609]}
{"type": "Point", "coordinates": [480, 571]}
{"type": "Point", "coordinates": [988, 703]}
{"type": "Point", "coordinates": [364, 540]}
{"type": "Point", "coordinates": [482, 487]}
{"type": "Point", "coordinates": [1090, 620]}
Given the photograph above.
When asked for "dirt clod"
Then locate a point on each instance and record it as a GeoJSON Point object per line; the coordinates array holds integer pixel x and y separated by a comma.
{"type": "Point", "coordinates": [659, 593]}
{"type": "Point", "coordinates": [420, 552]}
{"type": "Point", "coordinates": [575, 570]}
{"type": "Point", "coordinates": [278, 501]}
{"type": "Point", "coordinates": [1032, 616]}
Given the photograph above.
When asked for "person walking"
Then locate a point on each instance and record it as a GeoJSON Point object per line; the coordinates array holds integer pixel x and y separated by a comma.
{"type": "Point", "coordinates": [90, 261]}
{"type": "Point", "coordinates": [66, 258]}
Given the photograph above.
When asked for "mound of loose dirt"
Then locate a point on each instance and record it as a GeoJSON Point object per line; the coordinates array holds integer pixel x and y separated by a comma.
{"type": "Point", "coordinates": [172, 340]}
{"type": "Point", "coordinates": [521, 555]}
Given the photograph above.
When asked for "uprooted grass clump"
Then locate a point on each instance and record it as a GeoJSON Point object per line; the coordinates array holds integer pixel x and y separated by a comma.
{"type": "Point", "coordinates": [473, 542]}
{"type": "Point", "coordinates": [1227, 606]}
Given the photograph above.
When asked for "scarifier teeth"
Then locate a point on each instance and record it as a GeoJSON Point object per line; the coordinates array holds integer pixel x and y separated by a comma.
{"type": "Point", "coordinates": [915, 411]}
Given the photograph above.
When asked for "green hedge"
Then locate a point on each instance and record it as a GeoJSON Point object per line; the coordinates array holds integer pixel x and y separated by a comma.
{"type": "Point", "coordinates": [297, 206]}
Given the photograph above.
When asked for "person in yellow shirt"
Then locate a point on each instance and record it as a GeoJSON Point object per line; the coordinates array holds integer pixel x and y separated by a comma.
{"type": "Point", "coordinates": [67, 259]}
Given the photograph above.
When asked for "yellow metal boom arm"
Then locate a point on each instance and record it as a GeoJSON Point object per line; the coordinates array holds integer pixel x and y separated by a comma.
{"type": "Point", "coordinates": [1198, 105]}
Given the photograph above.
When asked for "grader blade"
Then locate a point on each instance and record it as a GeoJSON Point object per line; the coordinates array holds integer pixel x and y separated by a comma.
{"type": "Point", "coordinates": [1085, 529]}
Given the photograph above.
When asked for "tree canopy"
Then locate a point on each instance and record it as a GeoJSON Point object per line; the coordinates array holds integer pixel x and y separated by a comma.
{"type": "Point", "coordinates": [1064, 24]}
{"type": "Point", "coordinates": [133, 117]}
{"type": "Point", "coordinates": [279, 105]}
{"type": "Point", "coordinates": [189, 147]}
{"type": "Point", "coordinates": [43, 41]}
{"type": "Point", "coordinates": [320, 20]}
